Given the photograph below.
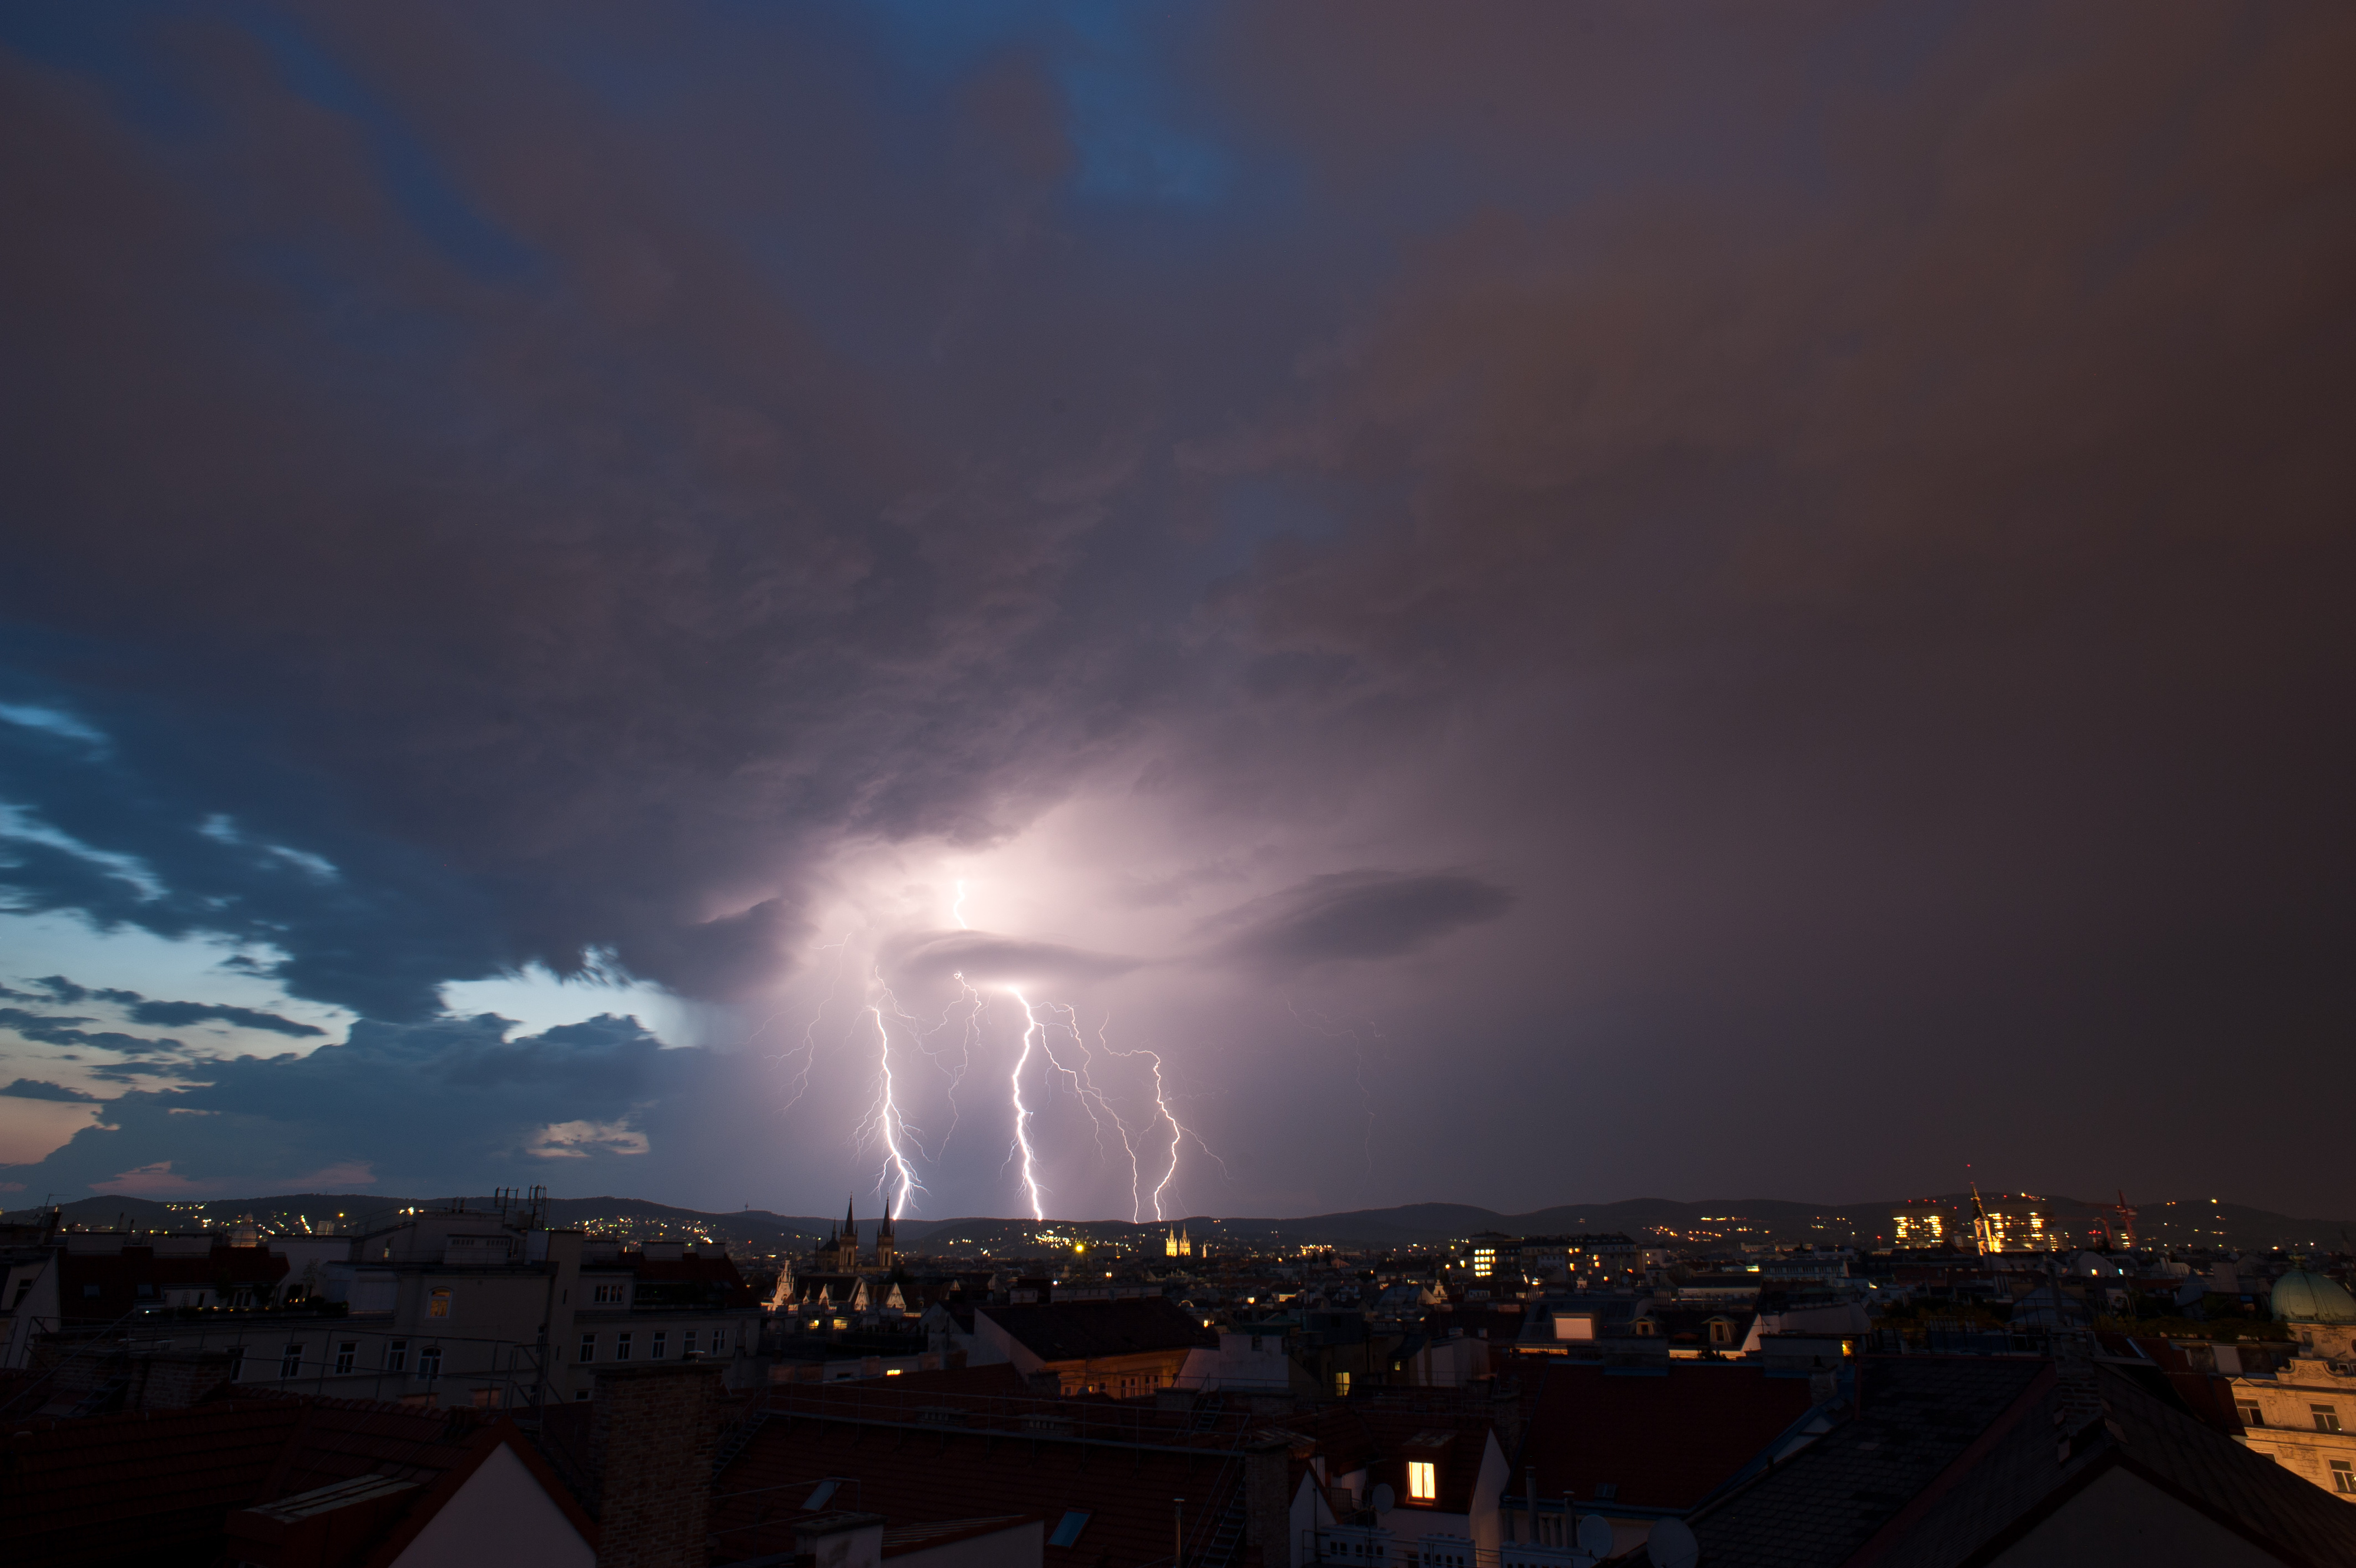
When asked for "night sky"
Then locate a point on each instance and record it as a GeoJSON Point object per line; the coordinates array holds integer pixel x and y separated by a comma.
{"type": "Point", "coordinates": [1543, 603]}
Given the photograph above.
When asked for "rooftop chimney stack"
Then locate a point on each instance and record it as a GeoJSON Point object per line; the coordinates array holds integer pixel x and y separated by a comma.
{"type": "Point", "coordinates": [656, 1430]}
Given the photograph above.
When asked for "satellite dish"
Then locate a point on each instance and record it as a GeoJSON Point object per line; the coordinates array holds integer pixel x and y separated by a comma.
{"type": "Point", "coordinates": [1672, 1545]}
{"type": "Point", "coordinates": [1384, 1499]}
{"type": "Point", "coordinates": [1595, 1535]}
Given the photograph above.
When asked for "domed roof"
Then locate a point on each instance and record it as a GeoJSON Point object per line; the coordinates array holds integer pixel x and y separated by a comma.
{"type": "Point", "coordinates": [2302, 1297]}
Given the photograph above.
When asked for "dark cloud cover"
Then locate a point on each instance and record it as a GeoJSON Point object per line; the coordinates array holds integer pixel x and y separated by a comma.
{"type": "Point", "coordinates": [985, 958]}
{"type": "Point", "coordinates": [51, 1029]}
{"type": "Point", "coordinates": [1837, 513]}
{"type": "Point", "coordinates": [172, 1015]}
{"type": "Point", "coordinates": [35, 1088]}
{"type": "Point", "coordinates": [1357, 915]}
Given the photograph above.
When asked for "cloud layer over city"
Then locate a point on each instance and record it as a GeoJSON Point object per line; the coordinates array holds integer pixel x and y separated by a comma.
{"type": "Point", "coordinates": [1576, 601]}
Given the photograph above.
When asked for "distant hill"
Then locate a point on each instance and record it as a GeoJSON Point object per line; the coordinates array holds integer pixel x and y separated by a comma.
{"type": "Point", "coordinates": [1757, 1221]}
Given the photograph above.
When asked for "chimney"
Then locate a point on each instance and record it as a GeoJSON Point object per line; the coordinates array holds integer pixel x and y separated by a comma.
{"type": "Point", "coordinates": [1268, 1509]}
{"type": "Point", "coordinates": [656, 1432]}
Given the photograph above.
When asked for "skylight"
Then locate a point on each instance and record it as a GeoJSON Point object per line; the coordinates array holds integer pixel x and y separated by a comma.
{"type": "Point", "coordinates": [821, 1495]}
{"type": "Point", "coordinates": [1068, 1528]}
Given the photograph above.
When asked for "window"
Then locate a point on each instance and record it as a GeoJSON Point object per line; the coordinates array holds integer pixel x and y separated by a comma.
{"type": "Point", "coordinates": [687, 1343]}
{"type": "Point", "coordinates": [819, 1495]}
{"type": "Point", "coordinates": [2327, 1419]}
{"type": "Point", "coordinates": [396, 1356]}
{"type": "Point", "coordinates": [588, 1347]}
{"type": "Point", "coordinates": [621, 1347]}
{"type": "Point", "coordinates": [1422, 1480]}
{"type": "Point", "coordinates": [655, 1350]}
{"type": "Point", "coordinates": [581, 1393]}
{"type": "Point", "coordinates": [439, 1307]}
{"type": "Point", "coordinates": [290, 1364]}
{"type": "Point", "coordinates": [1068, 1528]}
{"type": "Point", "coordinates": [606, 1296]}
{"type": "Point", "coordinates": [429, 1362]}
{"type": "Point", "coordinates": [2252, 1414]}
{"type": "Point", "coordinates": [1342, 1385]}
{"type": "Point", "coordinates": [1721, 1332]}
{"type": "Point", "coordinates": [346, 1354]}
{"type": "Point", "coordinates": [2343, 1477]}
{"type": "Point", "coordinates": [90, 1292]}
{"type": "Point", "coordinates": [236, 1362]}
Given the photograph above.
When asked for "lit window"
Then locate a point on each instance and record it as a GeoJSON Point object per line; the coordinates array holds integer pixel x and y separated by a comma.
{"type": "Point", "coordinates": [655, 1350]}
{"type": "Point", "coordinates": [621, 1347]}
{"type": "Point", "coordinates": [1068, 1528]}
{"type": "Point", "coordinates": [1422, 1480]}
{"type": "Point", "coordinates": [588, 1347]}
{"type": "Point", "coordinates": [2327, 1419]}
{"type": "Point", "coordinates": [1342, 1385]}
{"type": "Point", "coordinates": [441, 1306]}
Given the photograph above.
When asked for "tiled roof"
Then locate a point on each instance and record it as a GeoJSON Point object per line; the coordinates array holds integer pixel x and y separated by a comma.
{"type": "Point", "coordinates": [2021, 1475]}
{"type": "Point", "coordinates": [1918, 1415]}
{"type": "Point", "coordinates": [1088, 1331]}
{"type": "Point", "coordinates": [903, 1538]}
{"type": "Point", "coordinates": [955, 1472]}
{"type": "Point", "coordinates": [153, 1486]}
{"type": "Point", "coordinates": [1661, 1440]}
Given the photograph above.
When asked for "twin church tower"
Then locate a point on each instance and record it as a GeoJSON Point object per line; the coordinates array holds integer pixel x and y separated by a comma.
{"type": "Point", "coordinates": [838, 1253]}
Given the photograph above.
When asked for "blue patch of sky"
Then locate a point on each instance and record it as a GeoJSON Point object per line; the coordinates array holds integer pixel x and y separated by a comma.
{"type": "Point", "coordinates": [433, 203]}
{"type": "Point", "coordinates": [115, 47]}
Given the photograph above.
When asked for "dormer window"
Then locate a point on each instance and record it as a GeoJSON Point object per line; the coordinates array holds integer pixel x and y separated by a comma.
{"type": "Point", "coordinates": [1422, 1481]}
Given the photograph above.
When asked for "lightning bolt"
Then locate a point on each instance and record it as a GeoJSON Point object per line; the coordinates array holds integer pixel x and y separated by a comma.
{"type": "Point", "coordinates": [922, 1034]}
{"type": "Point", "coordinates": [1030, 1031]}
{"type": "Point", "coordinates": [1179, 1131]}
{"type": "Point", "coordinates": [1091, 1099]}
{"type": "Point", "coordinates": [807, 1049]}
{"type": "Point", "coordinates": [887, 1123]}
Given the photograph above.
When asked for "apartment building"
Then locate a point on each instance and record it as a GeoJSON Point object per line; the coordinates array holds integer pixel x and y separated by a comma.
{"type": "Point", "coordinates": [445, 1308]}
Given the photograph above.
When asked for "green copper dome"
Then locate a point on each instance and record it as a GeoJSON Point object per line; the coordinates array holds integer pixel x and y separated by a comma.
{"type": "Point", "coordinates": [2302, 1297]}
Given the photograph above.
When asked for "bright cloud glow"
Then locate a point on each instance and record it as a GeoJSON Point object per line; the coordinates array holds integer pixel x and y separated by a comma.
{"type": "Point", "coordinates": [539, 999]}
{"type": "Point", "coordinates": [579, 1140]}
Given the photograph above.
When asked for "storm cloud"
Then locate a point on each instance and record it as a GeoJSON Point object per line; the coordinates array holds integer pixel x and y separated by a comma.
{"type": "Point", "coordinates": [1355, 915]}
{"type": "Point", "coordinates": [1821, 530]}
